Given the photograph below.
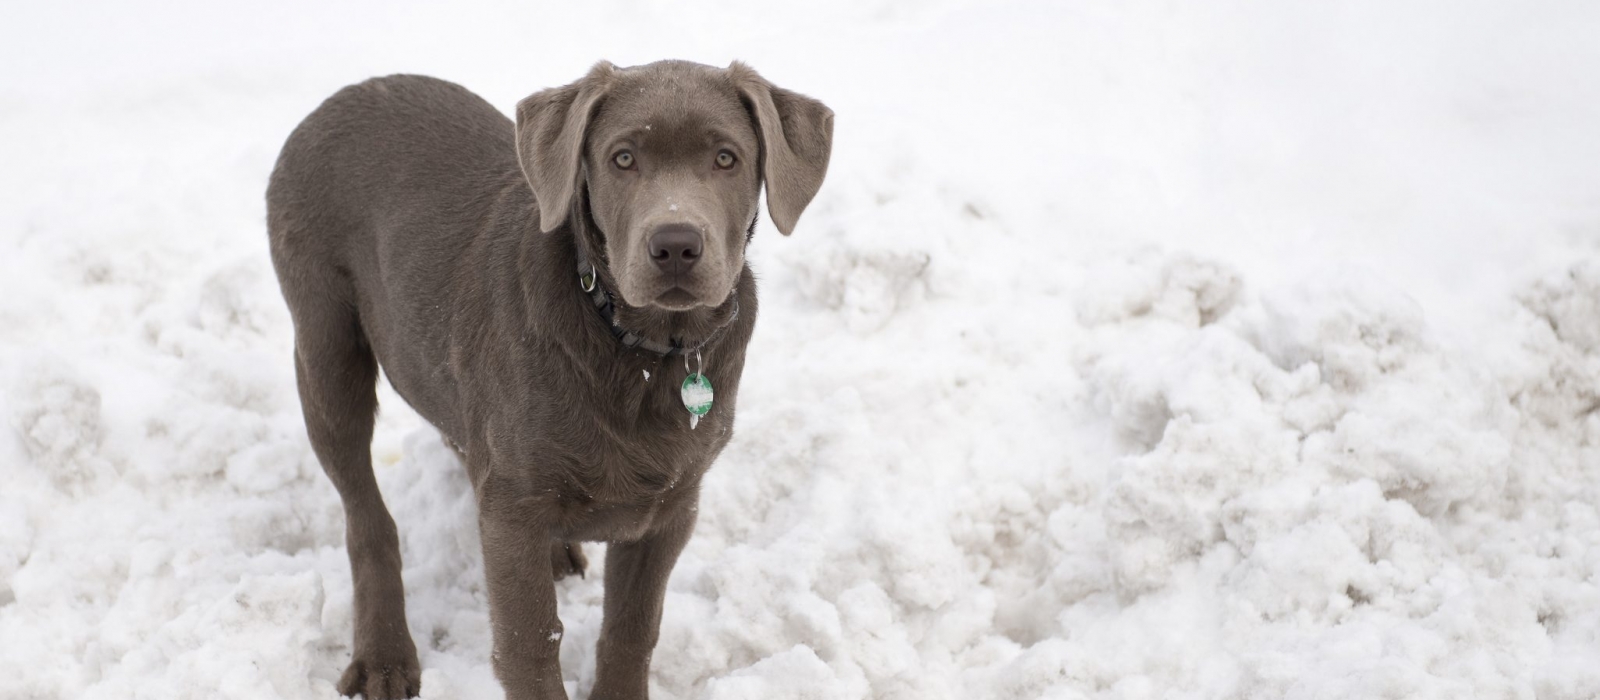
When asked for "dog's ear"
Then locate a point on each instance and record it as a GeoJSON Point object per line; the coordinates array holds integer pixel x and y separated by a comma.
{"type": "Point", "coordinates": [796, 139]}
{"type": "Point", "coordinates": [551, 125]}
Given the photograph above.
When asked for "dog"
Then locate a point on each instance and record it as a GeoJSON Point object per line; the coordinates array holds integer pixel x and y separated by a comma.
{"type": "Point", "coordinates": [565, 298]}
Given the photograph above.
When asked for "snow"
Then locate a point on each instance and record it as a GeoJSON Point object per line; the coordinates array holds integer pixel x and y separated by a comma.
{"type": "Point", "coordinates": [1133, 350]}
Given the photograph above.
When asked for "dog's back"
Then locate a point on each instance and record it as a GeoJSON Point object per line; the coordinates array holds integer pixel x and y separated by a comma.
{"type": "Point", "coordinates": [386, 181]}
{"type": "Point", "coordinates": [388, 149]}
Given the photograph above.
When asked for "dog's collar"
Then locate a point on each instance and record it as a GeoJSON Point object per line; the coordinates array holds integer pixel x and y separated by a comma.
{"type": "Point", "coordinates": [589, 282]}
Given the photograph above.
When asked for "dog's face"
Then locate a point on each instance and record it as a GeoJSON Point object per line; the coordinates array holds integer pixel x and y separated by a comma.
{"type": "Point", "coordinates": [672, 156]}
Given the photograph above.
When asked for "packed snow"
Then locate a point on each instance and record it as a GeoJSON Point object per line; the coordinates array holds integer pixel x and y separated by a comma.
{"type": "Point", "coordinates": [1131, 350]}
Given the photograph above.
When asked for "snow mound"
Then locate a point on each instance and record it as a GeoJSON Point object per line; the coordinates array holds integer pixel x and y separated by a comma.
{"type": "Point", "coordinates": [1155, 481]}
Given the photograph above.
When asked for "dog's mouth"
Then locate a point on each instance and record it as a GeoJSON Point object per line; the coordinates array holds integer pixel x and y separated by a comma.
{"type": "Point", "coordinates": [677, 299]}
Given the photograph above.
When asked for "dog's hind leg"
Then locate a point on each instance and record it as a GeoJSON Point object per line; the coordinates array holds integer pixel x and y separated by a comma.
{"type": "Point", "coordinates": [566, 559]}
{"type": "Point", "coordinates": [336, 372]}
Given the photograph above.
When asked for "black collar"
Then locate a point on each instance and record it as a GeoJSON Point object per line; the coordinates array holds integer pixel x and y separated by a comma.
{"type": "Point", "coordinates": [589, 282]}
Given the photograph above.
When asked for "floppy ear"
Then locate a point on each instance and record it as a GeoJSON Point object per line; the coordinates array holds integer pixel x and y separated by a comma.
{"type": "Point", "coordinates": [550, 128]}
{"type": "Point", "coordinates": [796, 139]}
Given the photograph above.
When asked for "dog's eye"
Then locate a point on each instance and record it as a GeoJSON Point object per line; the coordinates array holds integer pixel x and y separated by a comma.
{"type": "Point", "coordinates": [623, 159]}
{"type": "Point", "coordinates": [725, 160]}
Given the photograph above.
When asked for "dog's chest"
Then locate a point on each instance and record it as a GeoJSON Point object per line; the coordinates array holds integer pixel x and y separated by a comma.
{"type": "Point", "coordinates": [629, 464]}
{"type": "Point", "coordinates": [620, 492]}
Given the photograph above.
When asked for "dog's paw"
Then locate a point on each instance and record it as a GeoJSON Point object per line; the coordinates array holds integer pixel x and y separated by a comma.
{"type": "Point", "coordinates": [566, 559]}
{"type": "Point", "coordinates": [382, 679]}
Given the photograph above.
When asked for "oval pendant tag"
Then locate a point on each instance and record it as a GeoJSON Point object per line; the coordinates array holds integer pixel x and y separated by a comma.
{"type": "Point", "coordinates": [696, 394]}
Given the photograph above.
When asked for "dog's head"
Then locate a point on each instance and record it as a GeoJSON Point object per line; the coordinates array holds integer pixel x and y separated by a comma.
{"type": "Point", "coordinates": [672, 156]}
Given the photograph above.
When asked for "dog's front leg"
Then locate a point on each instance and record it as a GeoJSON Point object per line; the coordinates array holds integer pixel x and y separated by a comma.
{"type": "Point", "coordinates": [636, 587]}
{"type": "Point", "coordinates": [522, 602]}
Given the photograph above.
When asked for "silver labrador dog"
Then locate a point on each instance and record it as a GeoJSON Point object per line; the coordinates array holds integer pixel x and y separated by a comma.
{"type": "Point", "coordinates": [564, 298]}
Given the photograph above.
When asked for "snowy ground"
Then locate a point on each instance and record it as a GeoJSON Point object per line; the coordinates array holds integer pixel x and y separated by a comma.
{"type": "Point", "coordinates": [1144, 350]}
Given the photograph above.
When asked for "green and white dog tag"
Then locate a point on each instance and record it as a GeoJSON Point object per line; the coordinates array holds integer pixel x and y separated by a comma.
{"type": "Point", "coordinates": [696, 391]}
{"type": "Point", "coordinates": [697, 395]}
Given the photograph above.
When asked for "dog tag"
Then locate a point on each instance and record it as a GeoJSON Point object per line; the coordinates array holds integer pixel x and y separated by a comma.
{"type": "Point", "coordinates": [696, 395]}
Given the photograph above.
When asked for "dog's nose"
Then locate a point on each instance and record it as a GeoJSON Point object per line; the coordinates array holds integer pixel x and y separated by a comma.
{"type": "Point", "coordinates": [675, 248]}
